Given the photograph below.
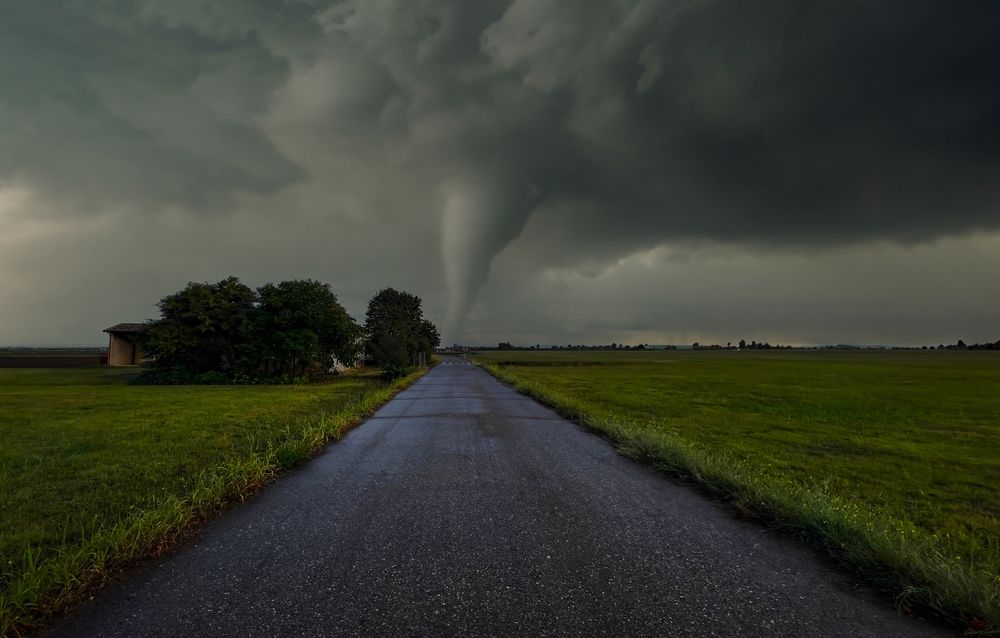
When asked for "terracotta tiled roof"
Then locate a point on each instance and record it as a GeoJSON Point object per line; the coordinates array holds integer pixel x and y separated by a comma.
{"type": "Point", "coordinates": [125, 327]}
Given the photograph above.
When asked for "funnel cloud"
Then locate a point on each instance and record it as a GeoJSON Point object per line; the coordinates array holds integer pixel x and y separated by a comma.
{"type": "Point", "coordinates": [540, 171]}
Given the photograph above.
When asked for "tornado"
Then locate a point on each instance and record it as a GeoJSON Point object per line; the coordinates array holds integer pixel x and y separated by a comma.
{"type": "Point", "coordinates": [482, 213]}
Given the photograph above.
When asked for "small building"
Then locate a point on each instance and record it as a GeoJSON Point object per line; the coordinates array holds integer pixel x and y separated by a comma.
{"type": "Point", "coordinates": [123, 344]}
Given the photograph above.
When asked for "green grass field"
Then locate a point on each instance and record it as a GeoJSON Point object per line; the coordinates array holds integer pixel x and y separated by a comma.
{"type": "Point", "coordinates": [95, 471]}
{"type": "Point", "coordinates": [900, 448]}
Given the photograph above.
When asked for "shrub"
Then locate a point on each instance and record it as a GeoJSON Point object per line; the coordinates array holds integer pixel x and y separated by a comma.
{"type": "Point", "coordinates": [392, 371]}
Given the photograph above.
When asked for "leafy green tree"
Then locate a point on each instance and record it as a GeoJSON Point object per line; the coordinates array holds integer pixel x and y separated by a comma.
{"type": "Point", "coordinates": [431, 337]}
{"type": "Point", "coordinates": [200, 327]}
{"type": "Point", "coordinates": [299, 324]}
{"type": "Point", "coordinates": [217, 332]}
{"type": "Point", "coordinates": [395, 331]}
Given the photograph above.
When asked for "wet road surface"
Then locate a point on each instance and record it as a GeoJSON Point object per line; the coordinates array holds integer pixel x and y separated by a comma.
{"type": "Point", "coordinates": [464, 508]}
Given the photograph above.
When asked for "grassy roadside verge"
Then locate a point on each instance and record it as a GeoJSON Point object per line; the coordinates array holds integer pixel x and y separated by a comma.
{"type": "Point", "coordinates": [45, 585]}
{"type": "Point", "coordinates": [921, 570]}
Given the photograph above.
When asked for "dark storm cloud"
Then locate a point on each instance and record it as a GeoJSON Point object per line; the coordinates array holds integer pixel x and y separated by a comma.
{"type": "Point", "coordinates": [103, 104]}
{"type": "Point", "coordinates": [630, 124]}
{"type": "Point", "coordinates": [600, 129]}
{"type": "Point", "coordinates": [804, 122]}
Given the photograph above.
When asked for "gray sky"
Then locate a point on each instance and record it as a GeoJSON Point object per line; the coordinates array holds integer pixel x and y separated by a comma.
{"type": "Point", "coordinates": [537, 171]}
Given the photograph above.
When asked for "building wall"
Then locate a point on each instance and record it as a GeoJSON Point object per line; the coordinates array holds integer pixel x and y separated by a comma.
{"type": "Point", "coordinates": [122, 351]}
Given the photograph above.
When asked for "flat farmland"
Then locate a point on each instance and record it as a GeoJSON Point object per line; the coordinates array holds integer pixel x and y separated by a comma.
{"type": "Point", "coordinates": [890, 459]}
{"type": "Point", "coordinates": [96, 472]}
{"type": "Point", "coordinates": [78, 358]}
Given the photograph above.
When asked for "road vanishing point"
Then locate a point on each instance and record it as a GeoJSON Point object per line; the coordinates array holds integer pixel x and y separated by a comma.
{"type": "Point", "coordinates": [464, 508]}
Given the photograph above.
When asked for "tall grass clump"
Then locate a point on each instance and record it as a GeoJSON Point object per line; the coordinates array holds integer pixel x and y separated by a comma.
{"type": "Point", "coordinates": [922, 571]}
{"type": "Point", "coordinates": [40, 587]}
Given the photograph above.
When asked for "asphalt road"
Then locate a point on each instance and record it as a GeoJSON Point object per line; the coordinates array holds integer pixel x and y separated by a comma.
{"type": "Point", "coordinates": [463, 508]}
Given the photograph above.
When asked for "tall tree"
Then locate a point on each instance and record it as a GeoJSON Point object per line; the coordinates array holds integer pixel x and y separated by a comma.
{"type": "Point", "coordinates": [395, 330]}
{"type": "Point", "coordinates": [300, 323]}
{"type": "Point", "coordinates": [431, 336]}
{"type": "Point", "coordinates": [201, 327]}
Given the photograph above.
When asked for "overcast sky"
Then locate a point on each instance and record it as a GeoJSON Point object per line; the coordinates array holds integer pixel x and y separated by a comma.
{"type": "Point", "coordinates": [537, 171]}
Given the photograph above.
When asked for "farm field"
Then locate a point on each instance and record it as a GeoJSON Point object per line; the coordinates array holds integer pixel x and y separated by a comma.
{"type": "Point", "coordinates": [904, 443]}
{"type": "Point", "coordinates": [93, 466]}
{"type": "Point", "coordinates": [51, 357]}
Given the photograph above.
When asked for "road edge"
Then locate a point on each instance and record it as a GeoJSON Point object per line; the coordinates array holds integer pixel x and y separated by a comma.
{"type": "Point", "coordinates": [895, 562]}
{"type": "Point", "coordinates": [51, 588]}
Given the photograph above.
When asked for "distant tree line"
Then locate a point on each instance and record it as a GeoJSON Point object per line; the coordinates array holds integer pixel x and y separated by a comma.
{"type": "Point", "coordinates": [961, 345]}
{"type": "Point", "coordinates": [984, 346]}
{"type": "Point", "coordinates": [291, 331]}
{"type": "Point", "coordinates": [506, 345]}
{"type": "Point", "coordinates": [742, 345]}
{"type": "Point", "coordinates": [753, 345]}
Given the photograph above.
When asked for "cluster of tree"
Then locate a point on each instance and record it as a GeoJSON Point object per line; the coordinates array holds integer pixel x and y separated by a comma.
{"type": "Point", "coordinates": [753, 345]}
{"type": "Point", "coordinates": [743, 345]}
{"type": "Point", "coordinates": [612, 346]}
{"type": "Point", "coordinates": [506, 345]}
{"type": "Point", "coordinates": [227, 332]}
{"type": "Point", "coordinates": [984, 346]}
{"type": "Point", "coordinates": [961, 345]}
